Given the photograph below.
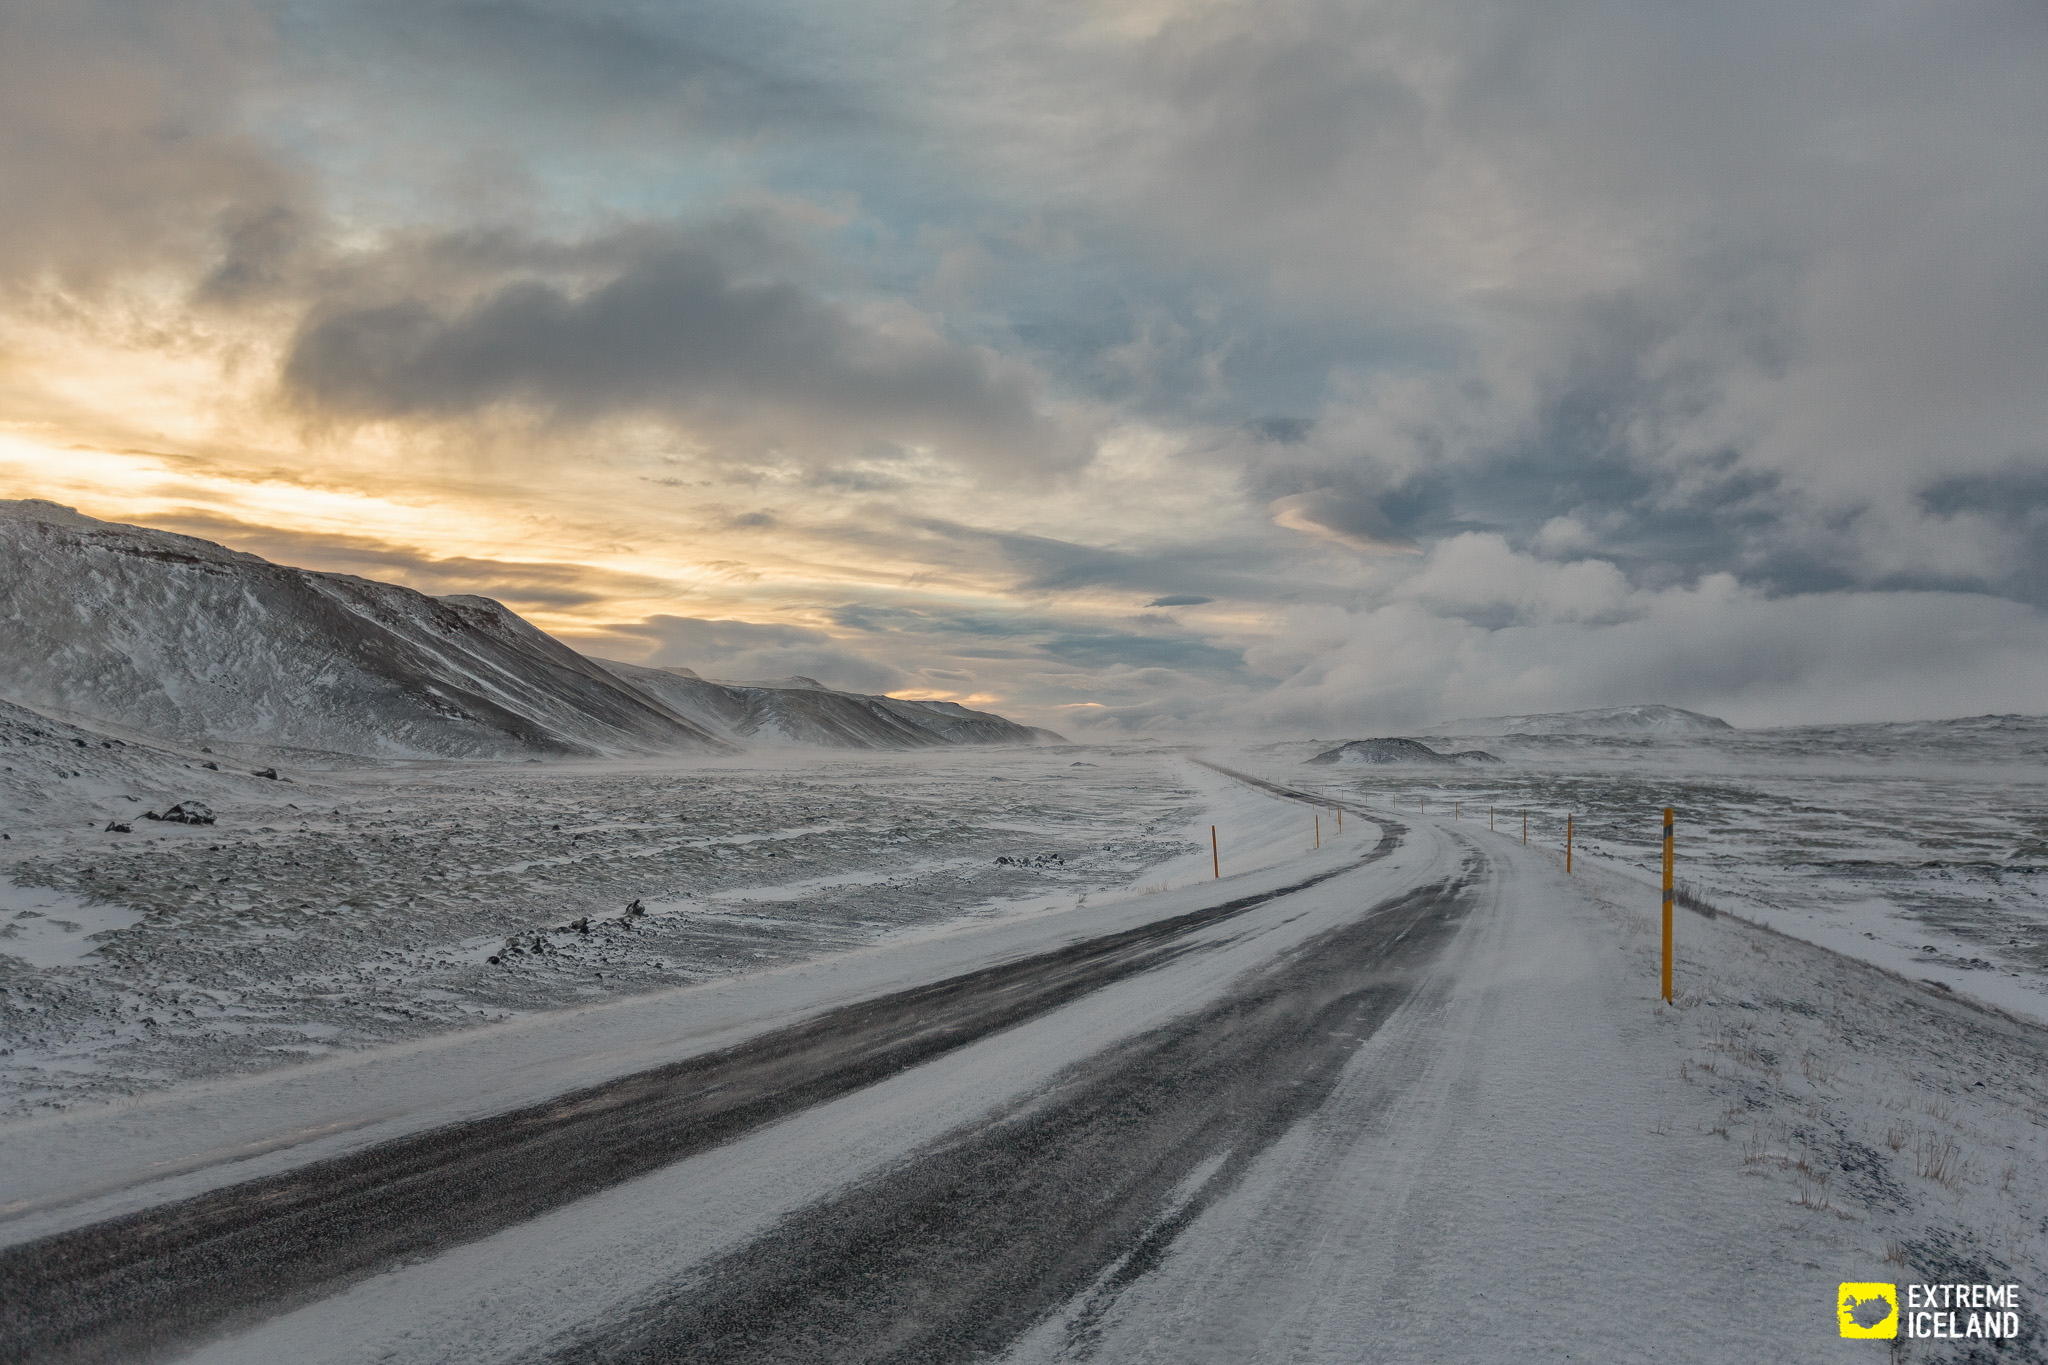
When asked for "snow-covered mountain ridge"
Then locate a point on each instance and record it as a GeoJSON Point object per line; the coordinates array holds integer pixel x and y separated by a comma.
{"type": "Point", "coordinates": [1605, 720]}
{"type": "Point", "coordinates": [183, 640]}
{"type": "Point", "coordinates": [804, 711]}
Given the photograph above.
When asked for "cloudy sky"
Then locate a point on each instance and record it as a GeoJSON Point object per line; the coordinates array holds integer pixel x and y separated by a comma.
{"type": "Point", "coordinates": [1288, 366]}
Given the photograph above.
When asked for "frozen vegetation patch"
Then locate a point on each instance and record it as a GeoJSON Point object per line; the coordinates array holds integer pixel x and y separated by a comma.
{"type": "Point", "coordinates": [1898, 1125]}
{"type": "Point", "coordinates": [50, 929]}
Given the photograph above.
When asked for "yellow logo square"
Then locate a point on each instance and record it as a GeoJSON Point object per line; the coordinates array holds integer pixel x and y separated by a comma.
{"type": "Point", "coordinates": [1868, 1310]}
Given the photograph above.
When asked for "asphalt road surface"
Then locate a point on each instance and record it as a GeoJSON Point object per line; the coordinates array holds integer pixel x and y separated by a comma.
{"type": "Point", "coordinates": [947, 1254]}
{"type": "Point", "coordinates": [956, 1253]}
{"type": "Point", "coordinates": [1082, 1179]}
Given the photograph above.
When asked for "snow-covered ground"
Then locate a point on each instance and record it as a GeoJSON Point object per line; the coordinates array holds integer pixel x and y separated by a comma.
{"type": "Point", "coordinates": [1538, 1160]}
{"type": "Point", "coordinates": [1920, 847]}
{"type": "Point", "coordinates": [1532, 1157]}
{"type": "Point", "coordinates": [373, 904]}
{"type": "Point", "coordinates": [85, 1161]}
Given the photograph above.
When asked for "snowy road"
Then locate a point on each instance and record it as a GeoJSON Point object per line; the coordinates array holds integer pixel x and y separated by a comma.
{"type": "Point", "coordinates": [150, 1281]}
{"type": "Point", "coordinates": [956, 1254]}
{"type": "Point", "coordinates": [1406, 1097]}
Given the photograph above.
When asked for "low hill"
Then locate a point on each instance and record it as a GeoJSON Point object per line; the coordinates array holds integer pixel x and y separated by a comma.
{"type": "Point", "coordinates": [1398, 751]}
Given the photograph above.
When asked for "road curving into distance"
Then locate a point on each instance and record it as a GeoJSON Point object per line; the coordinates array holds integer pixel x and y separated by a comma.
{"type": "Point", "coordinates": [946, 1255]}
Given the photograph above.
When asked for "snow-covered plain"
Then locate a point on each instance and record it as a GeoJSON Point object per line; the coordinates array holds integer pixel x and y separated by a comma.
{"type": "Point", "coordinates": [342, 907]}
{"type": "Point", "coordinates": [1921, 847]}
{"type": "Point", "coordinates": [1532, 1158]}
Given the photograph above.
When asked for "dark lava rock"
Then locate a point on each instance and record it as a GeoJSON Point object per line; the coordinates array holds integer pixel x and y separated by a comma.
{"type": "Point", "coordinates": [116, 827]}
{"type": "Point", "coordinates": [184, 813]}
{"type": "Point", "coordinates": [270, 773]}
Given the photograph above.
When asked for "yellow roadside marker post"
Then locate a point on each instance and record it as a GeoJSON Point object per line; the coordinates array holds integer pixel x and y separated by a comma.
{"type": "Point", "coordinates": [1667, 902]}
{"type": "Point", "coordinates": [1340, 819]}
{"type": "Point", "coordinates": [1525, 827]}
{"type": "Point", "coordinates": [1567, 845]}
{"type": "Point", "coordinates": [1319, 830]}
{"type": "Point", "coordinates": [1489, 819]}
{"type": "Point", "coordinates": [1215, 858]}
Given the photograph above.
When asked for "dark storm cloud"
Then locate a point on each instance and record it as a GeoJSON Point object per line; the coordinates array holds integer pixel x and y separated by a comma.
{"type": "Point", "coordinates": [674, 330]}
{"type": "Point", "coordinates": [1179, 600]}
{"type": "Point", "coordinates": [2015, 501]}
{"type": "Point", "coordinates": [1607, 437]}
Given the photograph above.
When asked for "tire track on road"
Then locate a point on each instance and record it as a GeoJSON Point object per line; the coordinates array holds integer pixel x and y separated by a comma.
{"type": "Point", "coordinates": [967, 1245]}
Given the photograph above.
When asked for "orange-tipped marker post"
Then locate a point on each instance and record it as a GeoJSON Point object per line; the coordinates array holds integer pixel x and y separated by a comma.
{"type": "Point", "coordinates": [1669, 858]}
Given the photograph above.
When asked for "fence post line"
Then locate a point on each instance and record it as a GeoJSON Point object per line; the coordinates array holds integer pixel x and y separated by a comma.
{"type": "Point", "coordinates": [1668, 860]}
{"type": "Point", "coordinates": [1215, 858]}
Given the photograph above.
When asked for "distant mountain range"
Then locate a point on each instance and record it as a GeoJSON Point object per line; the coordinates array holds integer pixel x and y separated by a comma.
{"type": "Point", "coordinates": [1607, 720]}
{"type": "Point", "coordinates": [179, 639]}
{"type": "Point", "coordinates": [804, 711]}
